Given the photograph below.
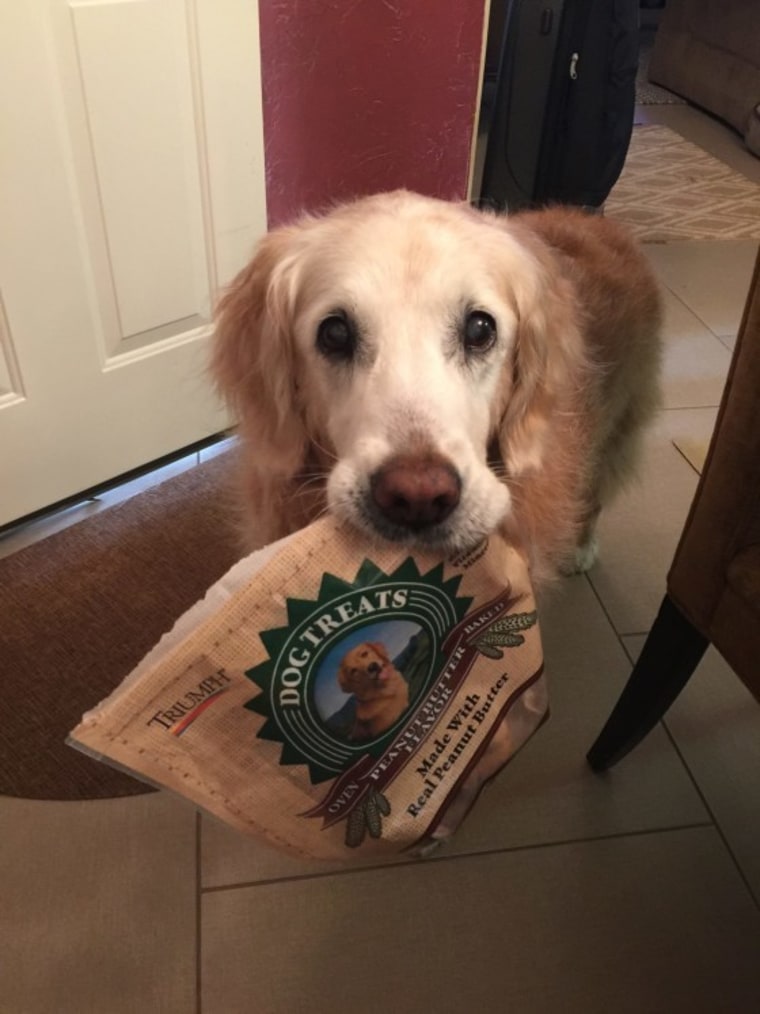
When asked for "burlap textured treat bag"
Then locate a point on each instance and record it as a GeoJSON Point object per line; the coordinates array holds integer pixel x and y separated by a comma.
{"type": "Point", "coordinates": [340, 700]}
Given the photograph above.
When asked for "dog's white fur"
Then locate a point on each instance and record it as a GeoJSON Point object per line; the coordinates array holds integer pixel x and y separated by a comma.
{"type": "Point", "coordinates": [541, 429]}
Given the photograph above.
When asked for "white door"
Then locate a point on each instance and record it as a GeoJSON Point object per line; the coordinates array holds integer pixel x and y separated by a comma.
{"type": "Point", "coordinates": [131, 187]}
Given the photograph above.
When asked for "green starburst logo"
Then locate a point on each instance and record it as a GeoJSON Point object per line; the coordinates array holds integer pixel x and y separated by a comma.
{"type": "Point", "coordinates": [345, 672]}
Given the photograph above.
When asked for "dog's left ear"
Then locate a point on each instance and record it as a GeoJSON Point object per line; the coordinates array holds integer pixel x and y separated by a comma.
{"type": "Point", "coordinates": [548, 355]}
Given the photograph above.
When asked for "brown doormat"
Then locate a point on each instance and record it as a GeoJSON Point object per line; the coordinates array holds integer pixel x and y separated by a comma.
{"type": "Point", "coordinates": [80, 609]}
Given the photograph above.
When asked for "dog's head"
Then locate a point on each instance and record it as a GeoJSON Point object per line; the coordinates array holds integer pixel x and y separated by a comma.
{"type": "Point", "coordinates": [412, 342]}
{"type": "Point", "coordinates": [366, 671]}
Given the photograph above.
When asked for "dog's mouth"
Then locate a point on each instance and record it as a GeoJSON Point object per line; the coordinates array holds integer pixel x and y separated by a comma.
{"type": "Point", "coordinates": [457, 534]}
{"type": "Point", "coordinates": [379, 674]}
{"type": "Point", "coordinates": [433, 536]}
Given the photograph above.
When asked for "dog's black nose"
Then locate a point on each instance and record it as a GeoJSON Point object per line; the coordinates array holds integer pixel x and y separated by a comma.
{"type": "Point", "coordinates": [416, 491]}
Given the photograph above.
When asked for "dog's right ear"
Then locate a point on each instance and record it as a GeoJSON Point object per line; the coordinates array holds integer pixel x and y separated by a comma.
{"type": "Point", "coordinates": [253, 359]}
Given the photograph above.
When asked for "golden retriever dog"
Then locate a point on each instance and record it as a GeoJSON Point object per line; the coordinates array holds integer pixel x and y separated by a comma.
{"type": "Point", "coordinates": [433, 373]}
{"type": "Point", "coordinates": [380, 691]}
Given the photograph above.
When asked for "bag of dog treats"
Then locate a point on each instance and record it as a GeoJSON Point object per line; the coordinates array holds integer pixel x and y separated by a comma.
{"type": "Point", "coordinates": [335, 698]}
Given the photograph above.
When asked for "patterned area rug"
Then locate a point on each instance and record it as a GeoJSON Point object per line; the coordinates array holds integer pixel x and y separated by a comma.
{"type": "Point", "coordinates": [672, 190]}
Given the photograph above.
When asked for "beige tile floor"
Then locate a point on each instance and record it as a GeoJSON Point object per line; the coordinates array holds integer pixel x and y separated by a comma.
{"type": "Point", "coordinates": [564, 892]}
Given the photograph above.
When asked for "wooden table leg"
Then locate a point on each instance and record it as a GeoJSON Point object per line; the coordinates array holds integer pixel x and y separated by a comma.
{"type": "Point", "coordinates": [670, 655]}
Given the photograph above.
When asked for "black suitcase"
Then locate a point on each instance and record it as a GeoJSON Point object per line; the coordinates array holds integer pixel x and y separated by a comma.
{"type": "Point", "coordinates": [564, 103]}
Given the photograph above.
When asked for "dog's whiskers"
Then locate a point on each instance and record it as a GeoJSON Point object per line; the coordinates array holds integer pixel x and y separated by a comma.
{"type": "Point", "coordinates": [317, 473]}
{"type": "Point", "coordinates": [313, 480]}
{"type": "Point", "coordinates": [330, 455]}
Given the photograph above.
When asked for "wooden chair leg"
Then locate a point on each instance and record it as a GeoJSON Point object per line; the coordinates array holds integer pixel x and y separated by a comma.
{"type": "Point", "coordinates": [669, 657]}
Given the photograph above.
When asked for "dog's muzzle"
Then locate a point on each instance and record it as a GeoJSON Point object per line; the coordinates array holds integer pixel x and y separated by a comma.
{"type": "Point", "coordinates": [415, 491]}
{"type": "Point", "coordinates": [378, 672]}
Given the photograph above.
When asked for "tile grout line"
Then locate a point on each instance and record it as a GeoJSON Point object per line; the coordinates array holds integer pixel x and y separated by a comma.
{"type": "Point", "coordinates": [690, 775]}
{"type": "Point", "coordinates": [661, 723]}
{"type": "Point", "coordinates": [631, 633]}
{"type": "Point", "coordinates": [692, 311]}
{"type": "Point", "coordinates": [433, 859]}
{"type": "Point", "coordinates": [691, 465]}
{"type": "Point", "coordinates": [609, 619]}
{"type": "Point", "coordinates": [198, 914]}
{"type": "Point", "coordinates": [688, 408]}
{"type": "Point", "coordinates": [716, 824]}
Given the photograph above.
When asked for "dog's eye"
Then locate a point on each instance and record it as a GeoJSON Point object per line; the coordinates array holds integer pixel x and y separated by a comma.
{"type": "Point", "coordinates": [479, 331]}
{"type": "Point", "coordinates": [336, 337]}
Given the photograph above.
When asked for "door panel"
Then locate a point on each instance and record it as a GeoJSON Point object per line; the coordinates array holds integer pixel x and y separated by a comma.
{"type": "Point", "coordinates": [133, 186]}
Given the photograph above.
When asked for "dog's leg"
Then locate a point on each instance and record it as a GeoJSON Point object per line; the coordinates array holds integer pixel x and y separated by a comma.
{"type": "Point", "coordinates": [587, 549]}
{"type": "Point", "coordinates": [616, 463]}
{"type": "Point", "coordinates": [585, 555]}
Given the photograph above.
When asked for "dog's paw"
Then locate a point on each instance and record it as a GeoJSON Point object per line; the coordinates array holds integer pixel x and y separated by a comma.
{"type": "Point", "coordinates": [583, 558]}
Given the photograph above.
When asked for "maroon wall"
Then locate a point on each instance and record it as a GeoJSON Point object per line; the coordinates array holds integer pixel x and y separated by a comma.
{"type": "Point", "coordinates": [367, 95]}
